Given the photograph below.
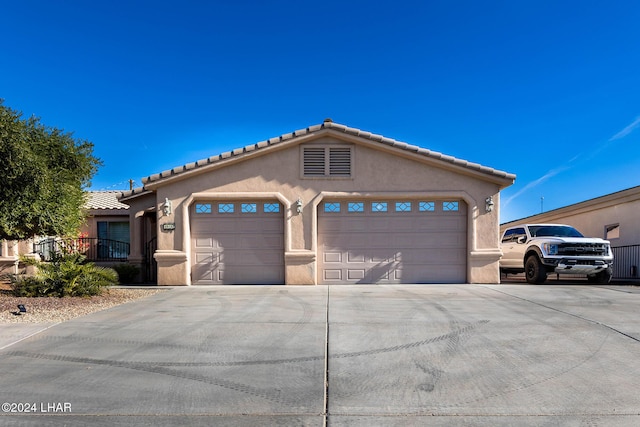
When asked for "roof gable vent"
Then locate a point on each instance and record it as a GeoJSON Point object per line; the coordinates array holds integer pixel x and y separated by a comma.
{"type": "Point", "coordinates": [326, 161]}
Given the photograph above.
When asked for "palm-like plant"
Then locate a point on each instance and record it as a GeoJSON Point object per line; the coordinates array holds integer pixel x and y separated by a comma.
{"type": "Point", "coordinates": [65, 275]}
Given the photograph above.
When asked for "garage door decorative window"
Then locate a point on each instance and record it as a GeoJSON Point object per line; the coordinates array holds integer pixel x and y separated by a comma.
{"type": "Point", "coordinates": [203, 208]}
{"type": "Point", "coordinates": [379, 207]}
{"type": "Point", "coordinates": [271, 207]}
{"type": "Point", "coordinates": [331, 207]}
{"type": "Point", "coordinates": [355, 207]}
{"type": "Point", "coordinates": [249, 208]}
{"type": "Point", "coordinates": [450, 206]}
{"type": "Point", "coordinates": [427, 206]}
{"type": "Point", "coordinates": [403, 206]}
{"type": "Point", "coordinates": [225, 208]}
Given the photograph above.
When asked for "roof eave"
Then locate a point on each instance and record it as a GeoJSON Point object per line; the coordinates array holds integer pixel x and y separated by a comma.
{"type": "Point", "coordinates": [501, 178]}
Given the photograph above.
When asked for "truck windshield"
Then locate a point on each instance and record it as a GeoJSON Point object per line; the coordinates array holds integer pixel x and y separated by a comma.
{"type": "Point", "coordinates": [553, 231]}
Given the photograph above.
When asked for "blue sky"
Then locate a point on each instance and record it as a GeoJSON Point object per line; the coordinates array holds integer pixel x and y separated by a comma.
{"type": "Point", "coordinates": [548, 90]}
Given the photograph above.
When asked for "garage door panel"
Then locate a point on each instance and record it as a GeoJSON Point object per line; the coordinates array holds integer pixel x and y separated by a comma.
{"type": "Point", "coordinates": [203, 242]}
{"type": "Point", "coordinates": [356, 274]}
{"type": "Point", "coordinates": [385, 256]}
{"type": "Point", "coordinates": [273, 242]}
{"type": "Point", "coordinates": [205, 257]}
{"type": "Point", "coordinates": [332, 275]}
{"type": "Point", "coordinates": [402, 245]}
{"type": "Point", "coordinates": [232, 257]}
{"type": "Point", "coordinates": [355, 257]}
{"type": "Point", "coordinates": [330, 257]}
{"type": "Point", "coordinates": [334, 225]}
{"type": "Point", "coordinates": [402, 223]}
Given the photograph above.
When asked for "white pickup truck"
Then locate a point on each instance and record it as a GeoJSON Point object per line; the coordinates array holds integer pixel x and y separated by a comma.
{"type": "Point", "coordinates": [539, 249]}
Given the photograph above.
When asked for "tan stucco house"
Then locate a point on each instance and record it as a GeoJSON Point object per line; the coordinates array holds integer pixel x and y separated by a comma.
{"type": "Point", "coordinates": [321, 205]}
{"type": "Point", "coordinates": [614, 217]}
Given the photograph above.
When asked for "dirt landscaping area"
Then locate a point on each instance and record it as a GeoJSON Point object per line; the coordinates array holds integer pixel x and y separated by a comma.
{"type": "Point", "coordinates": [53, 309]}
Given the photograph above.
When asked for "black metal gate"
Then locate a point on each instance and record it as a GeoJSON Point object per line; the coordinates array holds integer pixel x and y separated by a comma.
{"type": "Point", "coordinates": [626, 262]}
{"type": "Point", "coordinates": [150, 264]}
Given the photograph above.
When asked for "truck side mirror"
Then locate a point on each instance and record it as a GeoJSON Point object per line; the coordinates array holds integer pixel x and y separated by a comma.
{"type": "Point", "coordinates": [522, 239]}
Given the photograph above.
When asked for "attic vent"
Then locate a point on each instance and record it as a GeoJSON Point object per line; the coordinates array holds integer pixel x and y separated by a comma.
{"type": "Point", "coordinates": [314, 162]}
{"type": "Point", "coordinates": [327, 161]}
{"type": "Point", "coordinates": [339, 161]}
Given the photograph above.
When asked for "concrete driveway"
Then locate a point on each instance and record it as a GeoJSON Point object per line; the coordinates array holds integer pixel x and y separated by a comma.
{"type": "Point", "coordinates": [437, 355]}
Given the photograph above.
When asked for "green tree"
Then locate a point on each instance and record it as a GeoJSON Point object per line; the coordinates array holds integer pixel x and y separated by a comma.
{"type": "Point", "coordinates": [43, 174]}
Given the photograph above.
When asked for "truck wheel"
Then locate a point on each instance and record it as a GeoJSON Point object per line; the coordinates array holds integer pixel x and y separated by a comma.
{"type": "Point", "coordinates": [534, 271]}
{"type": "Point", "coordinates": [601, 278]}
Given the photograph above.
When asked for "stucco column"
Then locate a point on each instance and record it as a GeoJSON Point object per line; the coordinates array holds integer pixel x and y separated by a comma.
{"type": "Point", "coordinates": [136, 247]}
{"type": "Point", "coordinates": [173, 268]}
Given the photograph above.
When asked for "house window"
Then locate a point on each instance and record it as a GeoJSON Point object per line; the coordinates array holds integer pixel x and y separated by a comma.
{"type": "Point", "coordinates": [113, 231]}
{"type": "Point", "coordinates": [612, 231]}
{"type": "Point", "coordinates": [113, 239]}
{"type": "Point", "coordinates": [326, 161]}
{"type": "Point", "coordinates": [225, 208]}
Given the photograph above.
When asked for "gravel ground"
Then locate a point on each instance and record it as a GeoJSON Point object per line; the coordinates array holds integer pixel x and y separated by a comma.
{"type": "Point", "coordinates": [53, 309]}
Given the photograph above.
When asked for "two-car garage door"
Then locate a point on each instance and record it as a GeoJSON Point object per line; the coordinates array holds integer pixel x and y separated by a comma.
{"type": "Point", "coordinates": [359, 241]}
{"type": "Point", "coordinates": [392, 241]}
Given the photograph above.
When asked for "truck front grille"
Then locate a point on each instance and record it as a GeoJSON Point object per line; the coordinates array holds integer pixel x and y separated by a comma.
{"type": "Point", "coordinates": [582, 249]}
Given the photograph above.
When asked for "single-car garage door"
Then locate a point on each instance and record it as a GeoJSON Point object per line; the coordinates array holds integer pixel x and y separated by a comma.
{"type": "Point", "coordinates": [237, 243]}
{"type": "Point", "coordinates": [392, 241]}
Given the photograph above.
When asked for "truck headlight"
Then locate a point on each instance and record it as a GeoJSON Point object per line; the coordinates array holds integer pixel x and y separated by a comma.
{"type": "Point", "coordinates": [550, 248]}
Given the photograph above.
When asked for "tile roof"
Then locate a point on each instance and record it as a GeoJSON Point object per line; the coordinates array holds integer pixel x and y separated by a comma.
{"type": "Point", "coordinates": [104, 200]}
{"type": "Point", "coordinates": [326, 125]}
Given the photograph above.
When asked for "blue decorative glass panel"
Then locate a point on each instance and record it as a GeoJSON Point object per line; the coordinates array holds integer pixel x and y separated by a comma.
{"type": "Point", "coordinates": [272, 207]}
{"type": "Point", "coordinates": [449, 206]}
{"type": "Point", "coordinates": [203, 208]}
{"type": "Point", "coordinates": [355, 207]}
{"type": "Point", "coordinates": [427, 206]}
{"type": "Point", "coordinates": [379, 207]}
{"type": "Point", "coordinates": [403, 206]}
{"type": "Point", "coordinates": [225, 208]}
{"type": "Point", "coordinates": [249, 208]}
{"type": "Point", "coordinates": [331, 207]}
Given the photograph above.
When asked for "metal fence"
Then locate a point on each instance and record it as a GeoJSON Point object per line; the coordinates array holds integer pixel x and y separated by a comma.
{"type": "Point", "coordinates": [626, 262]}
{"type": "Point", "coordinates": [93, 248]}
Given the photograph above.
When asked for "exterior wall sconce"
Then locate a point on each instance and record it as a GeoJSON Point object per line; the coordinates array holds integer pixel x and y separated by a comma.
{"type": "Point", "coordinates": [488, 204]}
{"type": "Point", "coordinates": [299, 205]}
{"type": "Point", "coordinates": [166, 207]}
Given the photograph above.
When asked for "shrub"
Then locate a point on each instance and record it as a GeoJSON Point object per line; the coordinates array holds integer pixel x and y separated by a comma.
{"type": "Point", "coordinates": [126, 272]}
{"type": "Point", "coordinates": [64, 275]}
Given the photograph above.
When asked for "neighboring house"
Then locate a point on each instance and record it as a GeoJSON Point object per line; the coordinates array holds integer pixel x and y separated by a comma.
{"type": "Point", "coordinates": [10, 251]}
{"type": "Point", "coordinates": [322, 205]}
{"type": "Point", "coordinates": [103, 238]}
{"type": "Point", "coordinates": [613, 217]}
